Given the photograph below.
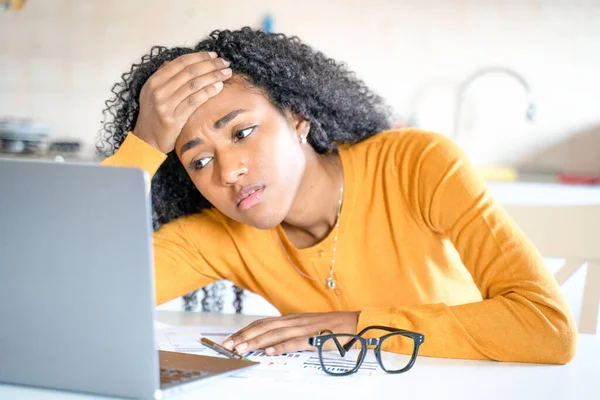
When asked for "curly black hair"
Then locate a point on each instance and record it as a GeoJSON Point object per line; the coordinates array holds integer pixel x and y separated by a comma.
{"type": "Point", "coordinates": [292, 75]}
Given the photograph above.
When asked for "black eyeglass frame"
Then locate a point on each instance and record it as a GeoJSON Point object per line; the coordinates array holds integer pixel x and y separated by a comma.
{"type": "Point", "coordinates": [318, 341]}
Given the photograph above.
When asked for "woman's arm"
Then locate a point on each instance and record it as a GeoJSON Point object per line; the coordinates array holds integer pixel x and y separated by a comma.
{"type": "Point", "coordinates": [523, 316]}
{"type": "Point", "coordinates": [134, 152]}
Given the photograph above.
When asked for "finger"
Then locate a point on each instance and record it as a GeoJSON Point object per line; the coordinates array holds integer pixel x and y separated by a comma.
{"type": "Point", "coordinates": [289, 346]}
{"type": "Point", "coordinates": [163, 89]}
{"type": "Point", "coordinates": [255, 329]}
{"type": "Point", "coordinates": [163, 65]}
{"type": "Point", "coordinates": [280, 330]}
{"type": "Point", "coordinates": [173, 67]}
{"type": "Point", "coordinates": [273, 337]}
{"type": "Point", "coordinates": [264, 321]}
{"type": "Point", "coordinates": [159, 83]}
{"type": "Point", "coordinates": [233, 339]}
{"type": "Point", "coordinates": [193, 71]}
{"type": "Point", "coordinates": [187, 107]}
{"type": "Point", "coordinates": [197, 91]}
{"type": "Point", "coordinates": [191, 87]}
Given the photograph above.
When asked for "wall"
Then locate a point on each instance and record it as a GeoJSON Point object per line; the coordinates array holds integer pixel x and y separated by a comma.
{"type": "Point", "coordinates": [59, 58]}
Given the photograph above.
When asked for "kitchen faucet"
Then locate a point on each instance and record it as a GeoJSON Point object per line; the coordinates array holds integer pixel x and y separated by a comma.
{"type": "Point", "coordinates": [530, 114]}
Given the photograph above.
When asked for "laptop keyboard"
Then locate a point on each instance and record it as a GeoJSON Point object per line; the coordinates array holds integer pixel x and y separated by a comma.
{"type": "Point", "coordinates": [172, 377]}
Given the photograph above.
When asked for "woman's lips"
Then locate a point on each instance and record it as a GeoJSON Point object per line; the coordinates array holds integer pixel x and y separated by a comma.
{"type": "Point", "coordinates": [251, 199]}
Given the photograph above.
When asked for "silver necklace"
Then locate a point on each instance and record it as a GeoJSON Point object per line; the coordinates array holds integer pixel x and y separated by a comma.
{"type": "Point", "coordinates": [330, 280]}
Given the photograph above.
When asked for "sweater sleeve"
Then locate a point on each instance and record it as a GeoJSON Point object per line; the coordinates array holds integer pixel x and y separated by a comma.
{"type": "Point", "coordinates": [187, 249]}
{"type": "Point", "coordinates": [523, 316]}
{"type": "Point", "coordinates": [134, 152]}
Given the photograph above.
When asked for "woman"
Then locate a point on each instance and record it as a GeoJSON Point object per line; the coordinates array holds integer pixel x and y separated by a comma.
{"type": "Point", "coordinates": [274, 167]}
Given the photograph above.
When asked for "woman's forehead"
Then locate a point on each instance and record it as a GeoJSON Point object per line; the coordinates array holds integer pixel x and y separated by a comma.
{"type": "Point", "coordinates": [236, 94]}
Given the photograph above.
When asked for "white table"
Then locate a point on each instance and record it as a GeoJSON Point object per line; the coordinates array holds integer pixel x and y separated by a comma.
{"type": "Point", "coordinates": [547, 194]}
{"type": "Point", "coordinates": [430, 377]}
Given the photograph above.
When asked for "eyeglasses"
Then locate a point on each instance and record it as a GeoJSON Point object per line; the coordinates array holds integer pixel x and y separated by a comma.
{"type": "Point", "coordinates": [341, 359]}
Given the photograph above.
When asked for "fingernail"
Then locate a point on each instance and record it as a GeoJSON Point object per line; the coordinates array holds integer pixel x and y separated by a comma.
{"type": "Point", "coordinates": [218, 85]}
{"type": "Point", "coordinates": [241, 347]}
{"type": "Point", "coordinates": [269, 351]}
{"type": "Point", "coordinates": [228, 344]}
{"type": "Point", "coordinates": [212, 54]}
{"type": "Point", "coordinates": [225, 62]}
{"type": "Point", "coordinates": [226, 71]}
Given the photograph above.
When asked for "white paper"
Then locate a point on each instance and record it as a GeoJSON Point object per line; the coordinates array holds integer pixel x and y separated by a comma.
{"type": "Point", "coordinates": [186, 339]}
{"type": "Point", "coordinates": [291, 367]}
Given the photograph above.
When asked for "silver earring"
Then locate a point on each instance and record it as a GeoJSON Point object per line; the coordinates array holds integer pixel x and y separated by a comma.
{"type": "Point", "coordinates": [303, 139]}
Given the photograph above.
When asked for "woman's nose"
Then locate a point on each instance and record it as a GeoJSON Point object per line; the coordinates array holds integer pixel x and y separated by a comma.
{"type": "Point", "coordinates": [231, 170]}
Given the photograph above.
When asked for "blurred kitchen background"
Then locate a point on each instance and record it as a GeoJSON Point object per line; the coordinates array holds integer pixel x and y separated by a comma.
{"type": "Point", "coordinates": [515, 82]}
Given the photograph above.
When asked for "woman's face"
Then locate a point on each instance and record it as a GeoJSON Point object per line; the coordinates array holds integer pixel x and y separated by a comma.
{"type": "Point", "coordinates": [243, 155]}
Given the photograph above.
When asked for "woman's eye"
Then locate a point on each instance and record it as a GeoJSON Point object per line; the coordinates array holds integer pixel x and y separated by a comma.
{"type": "Point", "coordinates": [201, 163]}
{"type": "Point", "coordinates": [239, 135]}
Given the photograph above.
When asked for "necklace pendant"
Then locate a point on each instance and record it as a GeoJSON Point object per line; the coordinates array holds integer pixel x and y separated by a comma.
{"type": "Point", "coordinates": [331, 283]}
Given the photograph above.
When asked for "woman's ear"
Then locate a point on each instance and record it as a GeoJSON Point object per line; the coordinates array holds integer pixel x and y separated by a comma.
{"type": "Point", "coordinates": [300, 124]}
{"type": "Point", "coordinates": [303, 128]}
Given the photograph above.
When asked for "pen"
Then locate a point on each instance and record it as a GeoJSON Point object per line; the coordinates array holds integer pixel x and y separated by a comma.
{"type": "Point", "coordinates": [221, 350]}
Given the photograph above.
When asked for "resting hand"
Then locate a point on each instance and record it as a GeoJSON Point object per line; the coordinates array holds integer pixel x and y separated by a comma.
{"type": "Point", "coordinates": [291, 332]}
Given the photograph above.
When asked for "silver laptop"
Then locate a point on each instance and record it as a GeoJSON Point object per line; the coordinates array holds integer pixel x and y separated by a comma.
{"type": "Point", "coordinates": [77, 285]}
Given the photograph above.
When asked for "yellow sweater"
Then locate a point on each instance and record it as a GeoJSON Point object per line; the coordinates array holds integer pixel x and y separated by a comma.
{"type": "Point", "coordinates": [422, 246]}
